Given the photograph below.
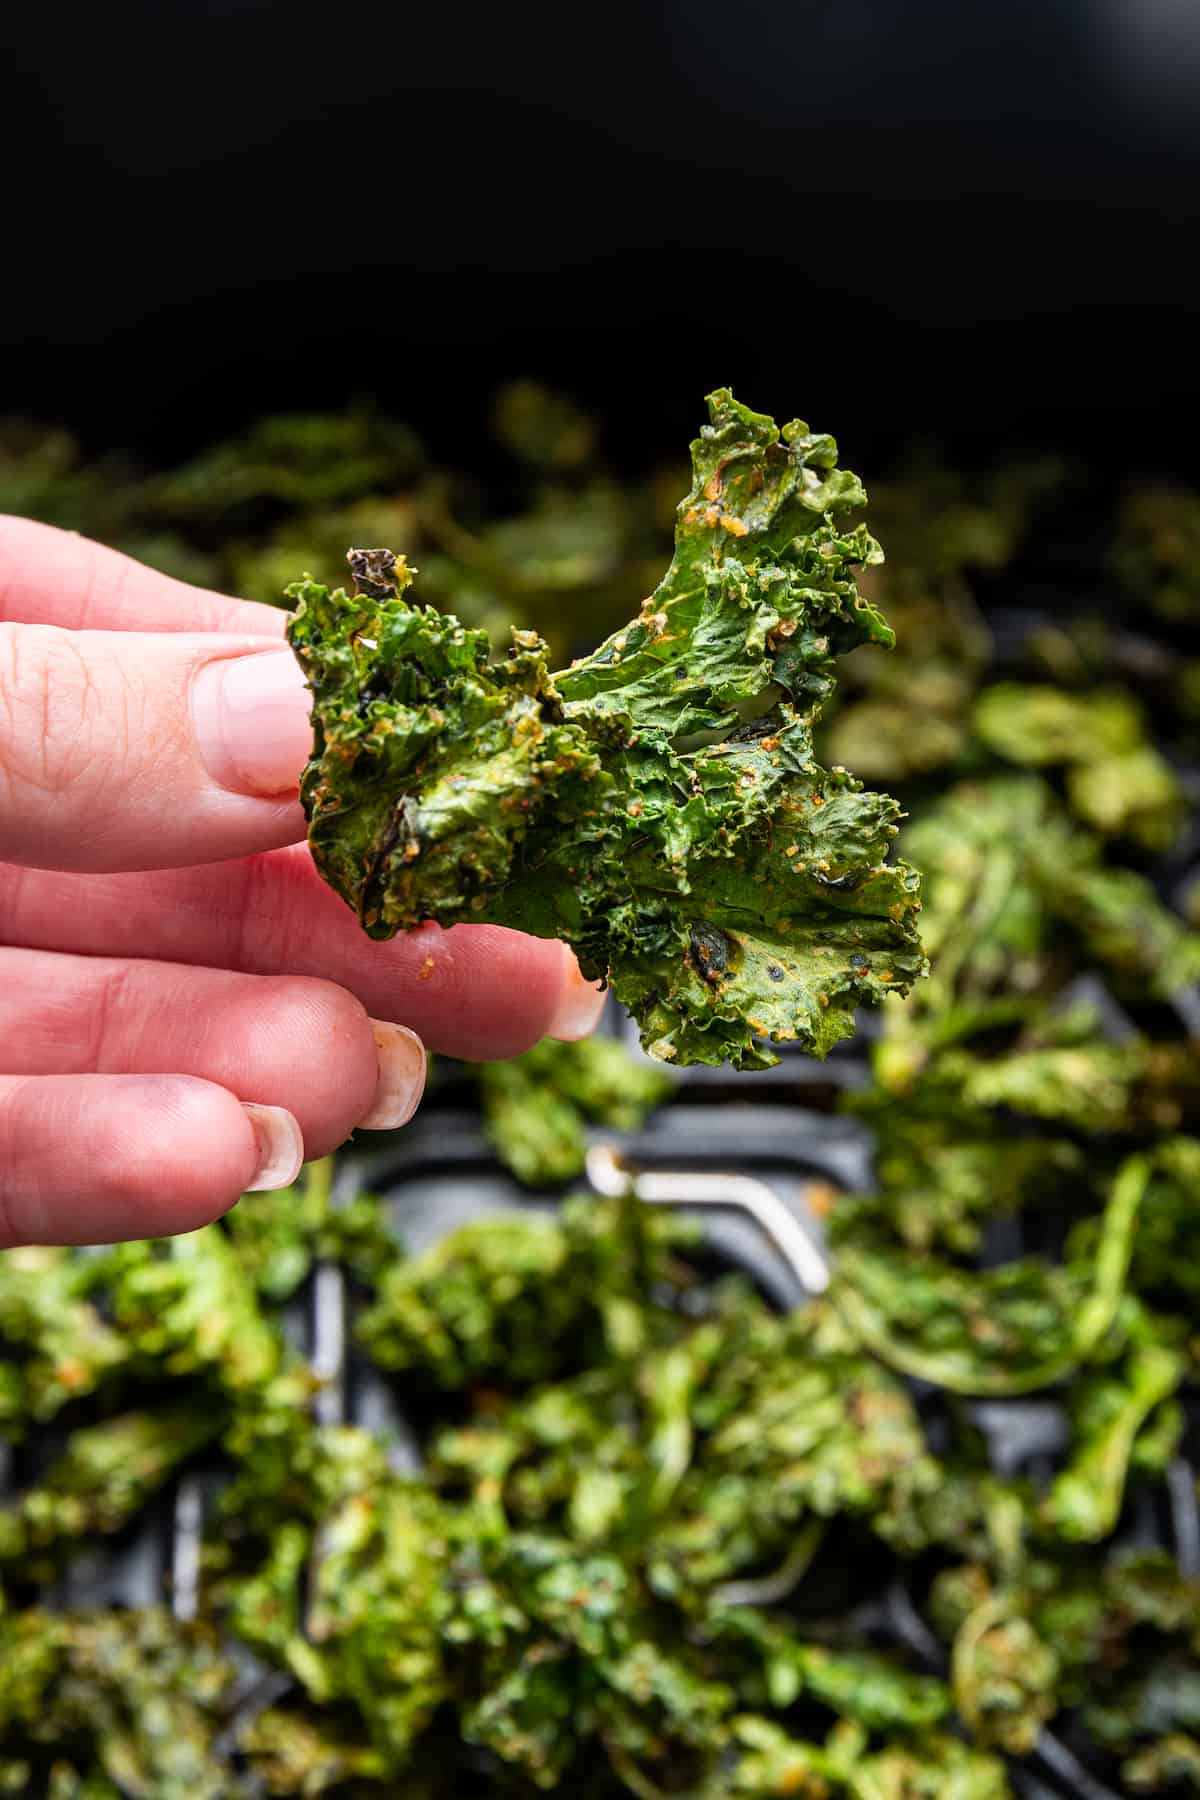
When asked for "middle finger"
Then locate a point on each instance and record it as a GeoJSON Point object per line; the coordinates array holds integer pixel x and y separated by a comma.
{"type": "Point", "coordinates": [477, 991]}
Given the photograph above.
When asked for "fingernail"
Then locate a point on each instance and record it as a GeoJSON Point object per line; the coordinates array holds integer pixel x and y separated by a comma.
{"type": "Point", "coordinates": [250, 715]}
{"type": "Point", "coordinates": [401, 1077]}
{"type": "Point", "coordinates": [280, 1146]}
{"type": "Point", "coordinates": [579, 1007]}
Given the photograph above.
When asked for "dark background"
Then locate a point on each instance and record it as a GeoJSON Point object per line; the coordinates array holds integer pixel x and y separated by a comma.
{"type": "Point", "coordinates": [973, 219]}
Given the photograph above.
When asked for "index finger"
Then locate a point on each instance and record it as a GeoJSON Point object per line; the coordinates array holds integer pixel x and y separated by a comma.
{"type": "Point", "coordinates": [54, 577]}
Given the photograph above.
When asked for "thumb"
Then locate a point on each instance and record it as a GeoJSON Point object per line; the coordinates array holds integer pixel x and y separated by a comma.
{"type": "Point", "coordinates": [140, 750]}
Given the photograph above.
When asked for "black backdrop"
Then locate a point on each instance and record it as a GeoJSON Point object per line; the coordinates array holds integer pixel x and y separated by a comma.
{"type": "Point", "coordinates": [971, 218]}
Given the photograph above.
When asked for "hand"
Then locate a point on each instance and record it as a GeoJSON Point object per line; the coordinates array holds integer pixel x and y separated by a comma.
{"type": "Point", "coordinates": [185, 1009]}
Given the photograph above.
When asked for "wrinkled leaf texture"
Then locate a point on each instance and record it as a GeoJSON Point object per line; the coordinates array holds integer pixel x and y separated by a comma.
{"type": "Point", "coordinates": [640, 805]}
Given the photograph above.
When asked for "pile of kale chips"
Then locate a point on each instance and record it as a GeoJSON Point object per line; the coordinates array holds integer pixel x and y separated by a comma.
{"type": "Point", "coordinates": [660, 1529]}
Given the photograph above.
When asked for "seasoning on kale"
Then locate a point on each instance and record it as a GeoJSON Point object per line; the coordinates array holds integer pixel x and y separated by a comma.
{"type": "Point", "coordinates": [699, 858]}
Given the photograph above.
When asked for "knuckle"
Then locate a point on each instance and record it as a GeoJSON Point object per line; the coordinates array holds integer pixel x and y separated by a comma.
{"type": "Point", "coordinates": [47, 710]}
{"type": "Point", "coordinates": [15, 1136]}
{"type": "Point", "coordinates": [105, 1028]}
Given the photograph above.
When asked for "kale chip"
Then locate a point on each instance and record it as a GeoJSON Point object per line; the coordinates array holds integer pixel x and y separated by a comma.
{"type": "Point", "coordinates": [658, 804]}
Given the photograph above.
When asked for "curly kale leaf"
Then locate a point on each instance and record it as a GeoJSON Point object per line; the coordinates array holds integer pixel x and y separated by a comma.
{"type": "Point", "coordinates": [1008, 1330]}
{"type": "Point", "coordinates": [277, 1243]}
{"type": "Point", "coordinates": [105, 1474]}
{"type": "Point", "coordinates": [536, 1107]}
{"type": "Point", "coordinates": [64, 1347]}
{"type": "Point", "coordinates": [730, 888]}
{"type": "Point", "coordinates": [518, 1296]}
{"type": "Point", "coordinates": [187, 1303]}
{"type": "Point", "coordinates": [1117, 781]}
{"type": "Point", "coordinates": [1013, 888]}
{"type": "Point", "coordinates": [1109, 1411]}
{"type": "Point", "coordinates": [124, 1702]}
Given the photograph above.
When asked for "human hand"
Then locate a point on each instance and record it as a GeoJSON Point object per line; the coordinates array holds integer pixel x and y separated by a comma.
{"type": "Point", "coordinates": [185, 1009]}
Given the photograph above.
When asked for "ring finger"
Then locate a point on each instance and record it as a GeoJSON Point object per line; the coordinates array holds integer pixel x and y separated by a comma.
{"type": "Point", "coordinates": [277, 1040]}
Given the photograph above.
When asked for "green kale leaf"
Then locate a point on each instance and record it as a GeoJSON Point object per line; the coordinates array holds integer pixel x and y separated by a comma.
{"type": "Point", "coordinates": [1117, 781]}
{"type": "Point", "coordinates": [536, 1106]}
{"type": "Point", "coordinates": [641, 805]}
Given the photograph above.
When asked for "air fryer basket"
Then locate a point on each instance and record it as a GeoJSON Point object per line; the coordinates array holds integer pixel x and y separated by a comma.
{"type": "Point", "coordinates": [746, 1154]}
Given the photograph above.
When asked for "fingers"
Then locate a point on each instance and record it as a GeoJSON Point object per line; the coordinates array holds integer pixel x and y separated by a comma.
{"type": "Point", "coordinates": [284, 1041]}
{"type": "Point", "coordinates": [132, 750]}
{"type": "Point", "coordinates": [53, 577]}
{"type": "Point", "coordinates": [478, 991]}
{"type": "Point", "coordinates": [91, 1159]}
{"type": "Point", "coordinates": [120, 750]}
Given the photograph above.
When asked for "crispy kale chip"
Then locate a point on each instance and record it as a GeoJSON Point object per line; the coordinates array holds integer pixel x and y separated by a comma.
{"type": "Point", "coordinates": [111, 1704]}
{"type": "Point", "coordinates": [1117, 781]}
{"type": "Point", "coordinates": [536, 1107]}
{"type": "Point", "coordinates": [642, 805]}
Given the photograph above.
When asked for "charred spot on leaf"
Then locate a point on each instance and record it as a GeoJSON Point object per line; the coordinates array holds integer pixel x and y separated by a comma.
{"type": "Point", "coordinates": [401, 829]}
{"type": "Point", "coordinates": [374, 572]}
{"type": "Point", "coordinates": [774, 972]}
{"type": "Point", "coordinates": [372, 691]}
{"type": "Point", "coordinates": [711, 951]}
{"type": "Point", "coordinates": [753, 729]}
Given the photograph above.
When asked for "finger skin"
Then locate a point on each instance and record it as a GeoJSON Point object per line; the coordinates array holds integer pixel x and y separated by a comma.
{"type": "Point", "coordinates": [99, 763]}
{"type": "Point", "coordinates": [54, 577]}
{"type": "Point", "coordinates": [477, 991]}
{"type": "Point", "coordinates": [94, 1159]}
{"type": "Point", "coordinates": [280, 1040]}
